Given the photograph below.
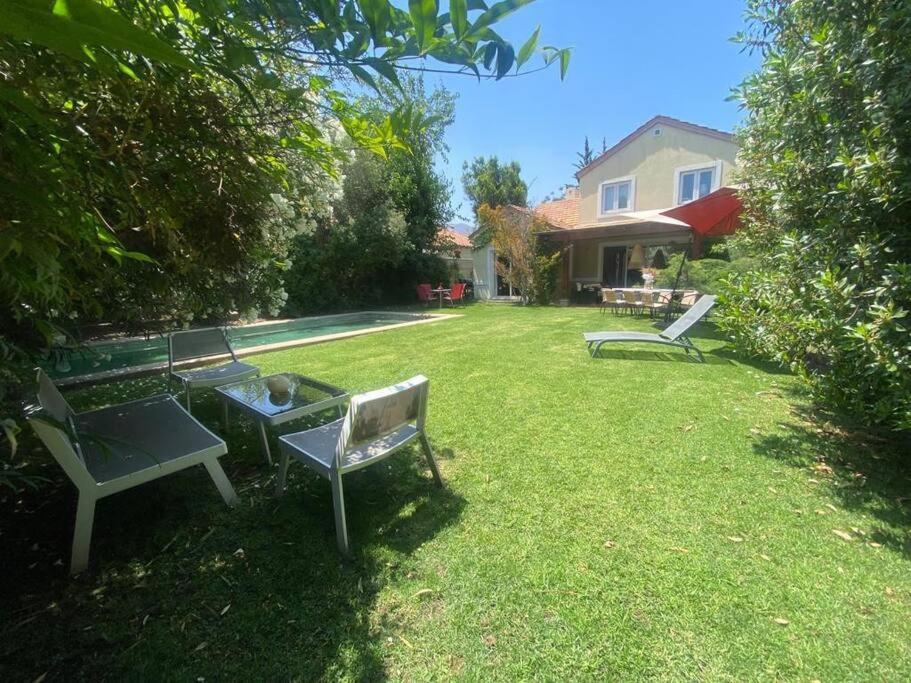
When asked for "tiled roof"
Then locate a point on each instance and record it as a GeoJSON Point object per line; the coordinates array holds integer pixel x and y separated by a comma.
{"type": "Point", "coordinates": [560, 213]}
{"type": "Point", "coordinates": [656, 120]}
{"type": "Point", "coordinates": [448, 237]}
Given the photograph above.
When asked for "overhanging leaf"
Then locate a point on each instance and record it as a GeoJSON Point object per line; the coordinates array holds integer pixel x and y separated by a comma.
{"type": "Point", "coordinates": [458, 16]}
{"type": "Point", "coordinates": [528, 49]}
{"type": "Point", "coordinates": [68, 25]}
{"type": "Point", "coordinates": [424, 19]}
{"type": "Point", "coordinates": [565, 54]}
{"type": "Point", "coordinates": [378, 17]}
{"type": "Point", "coordinates": [496, 13]}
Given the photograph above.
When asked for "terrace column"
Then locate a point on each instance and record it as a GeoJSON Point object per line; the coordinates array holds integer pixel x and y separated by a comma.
{"type": "Point", "coordinates": [563, 290]}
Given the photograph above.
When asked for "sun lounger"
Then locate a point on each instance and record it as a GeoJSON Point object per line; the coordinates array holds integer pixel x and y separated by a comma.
{"type": "Point", "coordinates": [675, 335]}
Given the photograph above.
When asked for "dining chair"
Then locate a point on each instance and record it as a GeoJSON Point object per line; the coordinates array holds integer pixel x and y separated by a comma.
{"type": "Point", "coordinates": [632, 302]}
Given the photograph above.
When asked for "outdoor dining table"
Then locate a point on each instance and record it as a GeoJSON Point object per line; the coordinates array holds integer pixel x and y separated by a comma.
{"type": "Point", "coordinates": [440, 291]}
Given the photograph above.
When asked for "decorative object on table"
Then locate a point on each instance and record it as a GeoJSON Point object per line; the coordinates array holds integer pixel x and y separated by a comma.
{"type": "Point", "coordinates": [648, 278]}
{"type": "Point", "coordinates": [279, 385]}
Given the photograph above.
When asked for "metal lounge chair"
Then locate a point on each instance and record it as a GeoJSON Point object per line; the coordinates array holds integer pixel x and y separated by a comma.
{"type": "Point", "coordinates": [377, 424]}
{"type": "Point", "coordinates": [675, 335]}
{"type": "Point", "coordinates": [203, 343]}
{"type": "Point", "coordinates": [112, 449]}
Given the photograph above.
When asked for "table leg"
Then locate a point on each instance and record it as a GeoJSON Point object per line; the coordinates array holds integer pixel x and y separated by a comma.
{"type": "Point", "coordinates": [224, 414]}
{"type": "Point", "coordinates": [264, 437]}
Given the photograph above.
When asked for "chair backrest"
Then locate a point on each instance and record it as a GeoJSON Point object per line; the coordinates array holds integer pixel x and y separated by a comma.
{"type": "Point", "coordinates": [608, 296]}
{"type": "Point", "coordinates": [56, 427]}
{"type": "Point", "coordinates": [648, 298]}
{"type": "Point", "coordinates": [690, 318]}
{"type": "Point", "coordinates": [458, 290]}
{"type": "Point", "coordinates": [201, 343]}
{"type": "Point", "coordinates": [689, 298]}
{"type": "Point", "coordinates": [424, 292]}
{"type": "Point", "coordinates": [375, 414]}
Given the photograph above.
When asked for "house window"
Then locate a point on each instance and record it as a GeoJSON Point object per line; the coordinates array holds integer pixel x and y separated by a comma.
{"type": "Point", "coordinates": [694, 183]}
{"type": "Point", "coordinates": [616, 195]}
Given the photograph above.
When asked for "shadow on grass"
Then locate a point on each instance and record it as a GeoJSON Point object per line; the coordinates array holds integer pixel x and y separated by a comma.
{"type": "Point", "coordinates": [732, 355]}
{"type": "Point", "coordinates": [180, 587]}
{"type": "Point", "coordinates": [867, 473]}
{"type": "Point", "coordinates": [662, 356]}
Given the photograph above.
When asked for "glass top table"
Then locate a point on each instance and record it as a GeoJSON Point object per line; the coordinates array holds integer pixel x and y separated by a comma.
{"type": "Point", "coordinates": [280, 398]}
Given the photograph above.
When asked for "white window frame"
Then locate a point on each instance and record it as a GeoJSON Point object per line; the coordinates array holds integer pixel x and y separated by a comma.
{"type": "Point", "coordinates": [715, 167]}
{"type": "Point", "coordinates": [631, 179]}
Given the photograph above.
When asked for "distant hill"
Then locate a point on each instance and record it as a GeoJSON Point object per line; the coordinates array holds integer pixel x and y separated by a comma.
{"type": "Point", "coordinates": [463, 228]}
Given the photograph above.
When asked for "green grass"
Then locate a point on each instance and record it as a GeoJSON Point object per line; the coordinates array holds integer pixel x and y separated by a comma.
{"type": "Point", "coordinates": [639, 515]}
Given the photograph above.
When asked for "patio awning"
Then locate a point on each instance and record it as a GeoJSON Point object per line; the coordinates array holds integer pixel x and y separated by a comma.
{"type": "Point", "coordinates": [714, 215]}
{"type": "Point", "coordinates": [631, 225]}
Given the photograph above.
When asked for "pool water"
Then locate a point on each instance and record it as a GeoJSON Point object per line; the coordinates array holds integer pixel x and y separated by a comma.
{"type": "Point", "coordinates": [130, 353]}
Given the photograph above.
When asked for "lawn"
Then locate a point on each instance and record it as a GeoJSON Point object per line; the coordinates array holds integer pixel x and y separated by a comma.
{"type": "Point", "coordinates": [638, 515]}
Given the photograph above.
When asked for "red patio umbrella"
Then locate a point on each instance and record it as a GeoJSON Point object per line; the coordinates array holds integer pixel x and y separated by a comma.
{"type": "Point", "coordinates": [715, 215]}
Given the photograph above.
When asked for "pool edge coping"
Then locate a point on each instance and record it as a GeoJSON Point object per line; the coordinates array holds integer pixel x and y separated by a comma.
{"type": "Point", "coordinates": [151, 368]}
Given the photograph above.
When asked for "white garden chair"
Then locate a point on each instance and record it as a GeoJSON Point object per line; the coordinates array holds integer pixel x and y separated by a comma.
{"type": "Point", "coordinates": [112, 449]}
{"type": "Point", "coordinates": [376, 425]}
{"type": "Point", "coordinates": [207, 342]}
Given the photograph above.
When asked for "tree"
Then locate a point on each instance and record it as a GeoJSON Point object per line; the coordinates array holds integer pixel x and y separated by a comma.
{"type": "Point", "coordinates": [586, 156]}
{"type": "Point", "coordinates": [149, 150]}
{"type": "Point", "coordinates": [487, 181]}
{"type": "Point", "coordinates": [377, 239]}
{"type": "Point", "coordinates": [826, 168]}
{"type": "Point", "coordinates": [520, 259]}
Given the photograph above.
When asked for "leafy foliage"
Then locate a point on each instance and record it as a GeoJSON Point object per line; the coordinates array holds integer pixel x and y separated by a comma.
{"type": "Point", "coordinates": [378, 236]}
{"type": "Point", "coordinates": [585, 157]}
{"type": "Point", "coordinates": [521, 260]}
{"type": "Point", "coordinates": [156, 155]}
{"type": "Point", "coordinates": [827, 169]}
{"type": "Point", "coordinates": [496, 184]}
{"type": "Point", "coordinates": [706, 275]}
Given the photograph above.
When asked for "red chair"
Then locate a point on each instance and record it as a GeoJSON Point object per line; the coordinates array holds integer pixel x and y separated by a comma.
{"type": "Point", "coordinates": [457, 294]}
{"type": "Point", "coordinates": [425, 295]}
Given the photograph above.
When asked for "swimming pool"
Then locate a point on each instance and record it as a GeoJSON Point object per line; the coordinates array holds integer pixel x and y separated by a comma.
{"type": "Point", "coordinates": [129, 356]}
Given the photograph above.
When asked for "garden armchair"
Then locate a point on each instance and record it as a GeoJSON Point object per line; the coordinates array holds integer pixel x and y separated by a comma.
{"type": "Point", "coordinates": [376, 425]}
{"type": "Point", "coordinates": [425, 294]}
{"type": "Point", "coordinates": [112, 449]}
{"type": "Point", "coordinates": [208, 342]}
{"type": "Point", "coordinates": [456, 294]}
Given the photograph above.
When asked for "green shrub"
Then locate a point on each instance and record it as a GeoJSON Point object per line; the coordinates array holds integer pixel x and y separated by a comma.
{"type": "Point", "coordinates": [704, 275]}
{"type": "Point", "coordinates": [826, 169]}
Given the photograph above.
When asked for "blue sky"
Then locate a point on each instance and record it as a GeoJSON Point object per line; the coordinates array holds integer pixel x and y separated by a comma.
{"type": "Point", "coordinates": [631, 60]}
